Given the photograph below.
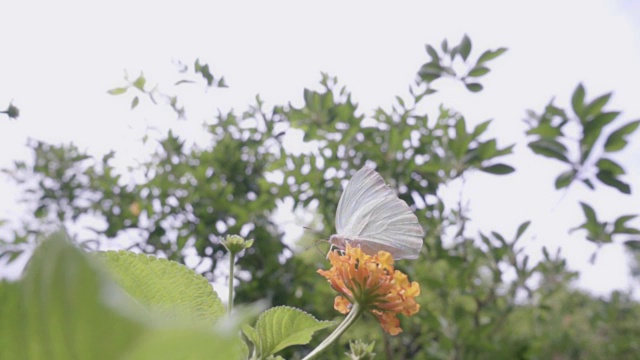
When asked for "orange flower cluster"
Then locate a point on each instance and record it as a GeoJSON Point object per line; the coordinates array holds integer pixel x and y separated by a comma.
{"type": "Point", "coordinates": [373, 283]}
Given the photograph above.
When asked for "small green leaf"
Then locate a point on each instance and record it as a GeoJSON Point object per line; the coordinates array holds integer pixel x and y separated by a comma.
{"type": "Point", "coordinates": [184, 81]}
{"type": "Point", "coordinates": [444, 45]}
{"type": "Point", "coordinates": [589, 213]}
{"type": "Point", "coordinates": [598, 123]}
{"type": "Point", "coordinates": [550, 148]}
{"type": "Point", "coordinates": [607, 178]}
{"type": "Point", "coordinates": [448, 70]}
{"type": "Point", "coordinates": [610, 166]}
{"type": "Point", "coordinates": [480, 128]}
{"type": "Point", "coordinates": [465, 47]}
{"type": "Point", "coordinates": [616, 141]}
{"type": "Point", "coordinates": [433, 53]}
{"type": "Point", "coordinates": [204, 71]}
{"type": "Point", "coordinates": [139, 83]}
{"type": "Point", "coordinates": [478, 71]}
{"type": "Point", "coordinates": [431, 68]}
{"type": "Point", "coordinates": [545, 130]}
{"type": "Point", "coordinates": [565, 179]}
{"type": "Point", "coordinates": [522, 228]}
{"type": "Point", "coordinates": [595, 107]}
{"type": "Point", "coordinates": [577, 100]}
{"type": "Point", "coordinates": [498, 169]}
{"type": "Point", "coordinates": [135, 102]}
{"type": "Point", "coordinates": [118, 91]}
{"type": "Point", "coordinates": [620, 226]}
{"type": "Point", "coordinates": [473, 87]}
{"type": "Point", "coordinates": [491, 54]}
{"type": "Point", "coordinates": [281, 327]}
{"type": "Point", "coordinates": [589, 184]}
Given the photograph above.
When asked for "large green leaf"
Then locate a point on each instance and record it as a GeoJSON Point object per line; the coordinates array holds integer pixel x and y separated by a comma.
{"type": "Point", "coordinates": [165, 286]}
{"type": "Point", "coordinates": [280, 327]}
{"type": "Point", "coordinates": [64, 308]}
{"type": "Point", "coordinates": [67, 307]}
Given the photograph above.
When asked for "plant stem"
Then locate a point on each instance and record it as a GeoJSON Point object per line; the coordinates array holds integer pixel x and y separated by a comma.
{"type": "Point", "coordinates": [354, 314]}
{"type": "Point", "coordinates": [232, 261]}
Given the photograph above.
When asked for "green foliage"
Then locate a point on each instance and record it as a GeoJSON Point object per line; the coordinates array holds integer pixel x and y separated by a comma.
{"type": "Point", "coordinates": [480, 295]}
{"type": "Point", "coordinates": [66, 306]}
{"type": "Point", "coordinates": [442, 65]}
{"type": "Point", "coordinates": [603, 232]}
{"type": "Point", "coordinates": [160, 284]}
{"type": "Point", "coordinates": [548, 130]}
{"type": "Point", "coordinates": [281, 327]}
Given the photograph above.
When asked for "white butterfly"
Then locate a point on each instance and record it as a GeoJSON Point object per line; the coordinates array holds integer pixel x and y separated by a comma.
{"type": "Point", "coordinates": [372, 217]}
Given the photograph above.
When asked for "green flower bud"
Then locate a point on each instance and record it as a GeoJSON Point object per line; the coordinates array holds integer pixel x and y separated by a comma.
{"type": "Point", "coordinates": [361, 350]}
{"type": "Point", "coordinates": [235, 243]}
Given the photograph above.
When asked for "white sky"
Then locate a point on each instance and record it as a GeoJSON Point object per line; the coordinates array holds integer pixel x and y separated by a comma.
{"type": "Point", "coordinates": [59, 58]}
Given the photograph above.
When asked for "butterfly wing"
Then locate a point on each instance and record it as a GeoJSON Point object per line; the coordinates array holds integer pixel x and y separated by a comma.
{"type": "Point", "coordinates": [371, 216]}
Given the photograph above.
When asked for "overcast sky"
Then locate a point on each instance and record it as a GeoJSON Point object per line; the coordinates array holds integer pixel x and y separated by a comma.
{"type": "Point", "coordinates": [59, 58]}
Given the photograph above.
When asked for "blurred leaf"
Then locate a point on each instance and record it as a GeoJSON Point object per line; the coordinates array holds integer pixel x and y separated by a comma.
{"type": "Point", "coordinates": [588, 183]}
{"type": "Point", "coordinates": [64, 308]}
{"type": "Point", "coordinates": [140, 82]}
{"type": "Point", "coordinates": [473, 87]}
{"type": "Point", "coordinates": [545, 130]}
{"type": "Point", "coordinates": [433, 53]}
{"type": "Point", "coordinates": [589, 213]}
{"type": "Point", "coordinates": [595, 107]}
{"type": "Point", "coordinates": [577, 100]}
{"type": "Point", "coordinates": [498, 169]}
{"type": "Point", "coordinates": [444, 45]}
{"type": "Point", "coordinates": [204, 71]}
{"type": "Point", "coordinates": [491, 54]}
{"type": "Point", "coordinates": [611, 166]}
{"type": "Point", "coordinates": [478, 71]}
{"type": "Point", "coordinates": [633, 244]}
{"type": "Point", "coordinates": [135, 102]}
{"type": "Point", "coordinates": [565, 179]}
{"type": "Point", "coordinates": [522, 228]}
{"type": "Point", "coordinates": [592, 130]}
{"type": "Point", "coordinates": [465, 47]}
{"type": "Point", "coordinates": [550, 148]}
{"type": "Point", "coordinates": [480, 128]}
{"type": "Point", "coordinates": [620, 225]}
{"type": "Point", "coordinates": [608, 178]}
{"type": "Point", "coordinates": [117, 91]}
{"type": "Point", "coordinates": [616, 140]}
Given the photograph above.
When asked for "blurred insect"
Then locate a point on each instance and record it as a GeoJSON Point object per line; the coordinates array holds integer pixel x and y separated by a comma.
{"type": "Point", "coordinates": [371, 216]}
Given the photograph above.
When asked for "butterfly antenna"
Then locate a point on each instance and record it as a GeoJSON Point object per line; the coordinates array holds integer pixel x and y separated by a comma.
{"type": "Point", "coordinates": [312, 230]}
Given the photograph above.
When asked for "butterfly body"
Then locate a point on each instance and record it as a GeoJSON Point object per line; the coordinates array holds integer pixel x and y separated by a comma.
{"type": "Point", "coordinates": [372, 217]}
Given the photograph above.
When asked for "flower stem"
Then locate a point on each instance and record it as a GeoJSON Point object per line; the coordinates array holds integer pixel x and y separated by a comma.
{"type": "Point", "coordinates": [354, 314]}
{"type": "Point", "coordinates": [232, 260]}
